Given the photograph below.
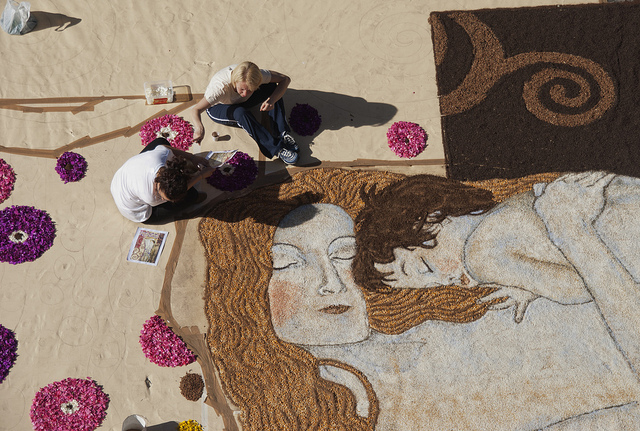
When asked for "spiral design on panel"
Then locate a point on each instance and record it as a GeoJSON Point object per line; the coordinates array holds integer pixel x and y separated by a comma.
{"type": "Point", "coordinates": [568, 90]}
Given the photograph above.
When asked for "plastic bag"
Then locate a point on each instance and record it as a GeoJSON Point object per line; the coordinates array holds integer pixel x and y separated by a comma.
{"type": "Point", "coordinates": [16, 18]}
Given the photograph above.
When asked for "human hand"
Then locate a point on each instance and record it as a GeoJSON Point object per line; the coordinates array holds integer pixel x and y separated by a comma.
{"type": "Point", "coordinates": [514, 297]}
{"type": "Point", "coordinates": [572, 197]}
{"type": "Point", "coordinates": [206, 172]}
{"type": "Point", "coordinates": [200, 161]}
{"type": "Point", "coordinates": [198, 133]}
{"type": "Point", "coordinates": [266, 105]}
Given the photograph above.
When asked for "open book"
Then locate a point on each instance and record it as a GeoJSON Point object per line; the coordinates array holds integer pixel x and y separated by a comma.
{"type": "Point", "coordinates": [147, 246]}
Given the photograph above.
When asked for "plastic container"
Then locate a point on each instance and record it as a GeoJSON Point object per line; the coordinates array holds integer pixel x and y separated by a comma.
{"type": "Point", "coordinates": [134, 423]}
{"type": "Point", "coordinates": [158, 92]}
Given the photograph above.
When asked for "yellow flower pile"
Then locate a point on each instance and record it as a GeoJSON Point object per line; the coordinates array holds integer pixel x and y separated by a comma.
{"type": "Point", "coordinates": [189, 425]}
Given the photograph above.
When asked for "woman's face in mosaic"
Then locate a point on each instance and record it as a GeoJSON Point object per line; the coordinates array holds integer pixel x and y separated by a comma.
{"type": "Point", "coordinates": [313, 298]}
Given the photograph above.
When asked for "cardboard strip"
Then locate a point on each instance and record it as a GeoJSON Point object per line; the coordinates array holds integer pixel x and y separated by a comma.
{"type": "Point", "coordinates": [192, 336]}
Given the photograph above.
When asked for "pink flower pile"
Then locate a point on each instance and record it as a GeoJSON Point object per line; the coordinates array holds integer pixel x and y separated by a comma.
{"type": "Point", "coordinates": [162, 346]}
{"type": "Point", "coordinates": [7, 179]}
{"type": "Point", "coordinates": [176, 130]}
{"type": "Point", "coordinates": [406, 139]}
{"type": "Point", "coordinates": [70, 404]}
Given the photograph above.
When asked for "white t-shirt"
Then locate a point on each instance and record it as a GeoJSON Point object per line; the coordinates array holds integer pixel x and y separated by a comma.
{"type": "Point", "coordinates": [220, 89]}
{"type": "Point", "coordinates": [132, 186]}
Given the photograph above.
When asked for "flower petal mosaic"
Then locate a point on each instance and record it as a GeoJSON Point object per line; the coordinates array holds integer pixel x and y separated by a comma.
{"type": "Point", "coordinates": [69, 404]}
{"type": "Point", "coordinates": [8, 351]}
{"type": "Point", "coordinates": [176, 130]}
{"type": "Point", "coordinates": [162, 346]}
{"type": "Point", "coordinates": [238, 173]}
{"type": "Point", "coordinates": [7, 180]}
{"type": "Point", "coordinates": [25, 234]}
{"type": "Point", "coordinates": [304, 119]}
{"type": "Point", "coordinates": [406, 139]}
{"type": "Point", "coordinates": [71, 167]}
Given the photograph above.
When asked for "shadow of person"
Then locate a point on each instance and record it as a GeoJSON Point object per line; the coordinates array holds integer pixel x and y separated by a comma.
{"type": "Point", "coordinates": [337, 111]}
{"type": "Point", "coordinates": [46, 20]}
{"type": "Point", "coordinates": [340, 110]}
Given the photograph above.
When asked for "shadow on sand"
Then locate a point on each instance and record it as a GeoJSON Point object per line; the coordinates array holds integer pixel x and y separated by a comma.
{"type": "Point", "coordinates": [47, 20]}
{"type": "Point", "coordinates": [340, 110]}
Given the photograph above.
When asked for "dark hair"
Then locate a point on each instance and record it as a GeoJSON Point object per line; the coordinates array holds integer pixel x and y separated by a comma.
{"type": "Point", "coordinates": [173, 179]}
{"type": "Point", "coordinates": [407, 214]}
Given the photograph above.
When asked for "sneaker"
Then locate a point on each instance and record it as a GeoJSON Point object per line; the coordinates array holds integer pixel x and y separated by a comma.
{"type": "Point", "coordinates": [288, 156]}
{"type": "Point", "coordinates": [290, 142]}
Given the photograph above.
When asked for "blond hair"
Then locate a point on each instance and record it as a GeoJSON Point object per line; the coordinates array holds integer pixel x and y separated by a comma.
{"type": "Point", "coordinates": [247, 72]}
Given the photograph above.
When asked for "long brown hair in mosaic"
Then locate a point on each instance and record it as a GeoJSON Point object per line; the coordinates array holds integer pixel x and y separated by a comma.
{"type": "Point", "coordinates": [276, 384]}
{"type": "Point", "coordinates": [401, 215]}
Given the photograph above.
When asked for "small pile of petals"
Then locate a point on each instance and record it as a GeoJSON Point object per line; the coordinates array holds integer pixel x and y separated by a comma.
{"type": "Point", "coordinates": [162, 346]}
{"type": "Point", "coordinates": [7, 180]}
{"type": "Point", "coordinates": [406, 139]}
{"type": "Point", "coordinates": [176, 130]}
{"type": "Point", "coordinates": [69, 404]}
{"type": "Point", "coordinates": [304, 119]}
{"type": "Point", "coordinates": [238, 173]}
{"type": "Point", "coordinates": [8, 351]}
{"type": "Point", "coordinates": [71, 167]}
{"type": "Point", "coordinates": [190, 425]}
{"type": "Point", "coordinates": [20, 221]}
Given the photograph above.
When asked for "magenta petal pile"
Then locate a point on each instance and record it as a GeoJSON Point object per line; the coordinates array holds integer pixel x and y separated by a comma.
{"type": "Point", "coordinates": [8, 349]}
{"type": "Point", "coordinates": [406, 139]}
{"type": "Point", "coordinates": [70, 404]}
{"type": "Point", "coordinates": [176, 130]}
{"type": "Point", "coordinates": [25, 234]}
{"type": "Point", "coordinates": [162, 346]}
{"type": "Point", "coordinates": [71, 167]}
{"type": "Point", "coordinates": [7, 179]}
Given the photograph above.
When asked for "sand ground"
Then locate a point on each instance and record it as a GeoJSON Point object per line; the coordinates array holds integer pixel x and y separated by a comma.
{"type": "Point", "coordinates": [77, 80]}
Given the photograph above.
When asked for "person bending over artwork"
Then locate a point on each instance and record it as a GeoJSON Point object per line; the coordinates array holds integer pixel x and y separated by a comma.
{"type": "Point", "coordinates": [157, 184]}
{"type": "Point", "coordinates": [574, 240]}
{"type": "Point", "coordinates": [230, 95]}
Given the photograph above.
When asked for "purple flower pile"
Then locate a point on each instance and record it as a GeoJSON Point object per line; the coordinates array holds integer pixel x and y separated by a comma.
{"type": "Point", "coordinates": [406, 139]}
{"type": "Point", "coordinates": [304, 119]}
{"type": "Point", "coordinates": [239, 172]}
{"type": "Point", "coordinates": [71, 167]}
{"type": "Point", "coordinates": [8, 349]}
{"type": "Point", "coordinates": [176, 130]}
{"type": "Point", "coordinates": [7, 179]}
{"type": "Point", "coordinates": [70, 404]}
{"type": "Point", "coordinates": [162, 346]}
{"type": "Point", "coordinates": [25, 234]}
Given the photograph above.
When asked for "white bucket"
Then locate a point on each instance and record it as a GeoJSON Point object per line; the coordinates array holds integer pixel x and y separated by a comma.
{"type": "Point", "coordinates": [134, 423]}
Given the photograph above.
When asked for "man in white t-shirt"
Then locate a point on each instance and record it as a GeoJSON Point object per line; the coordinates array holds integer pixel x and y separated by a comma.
{"type": "Point", "coordinates": [158, 182]}
{"type": "Point", "coordinates": [230, 95]}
